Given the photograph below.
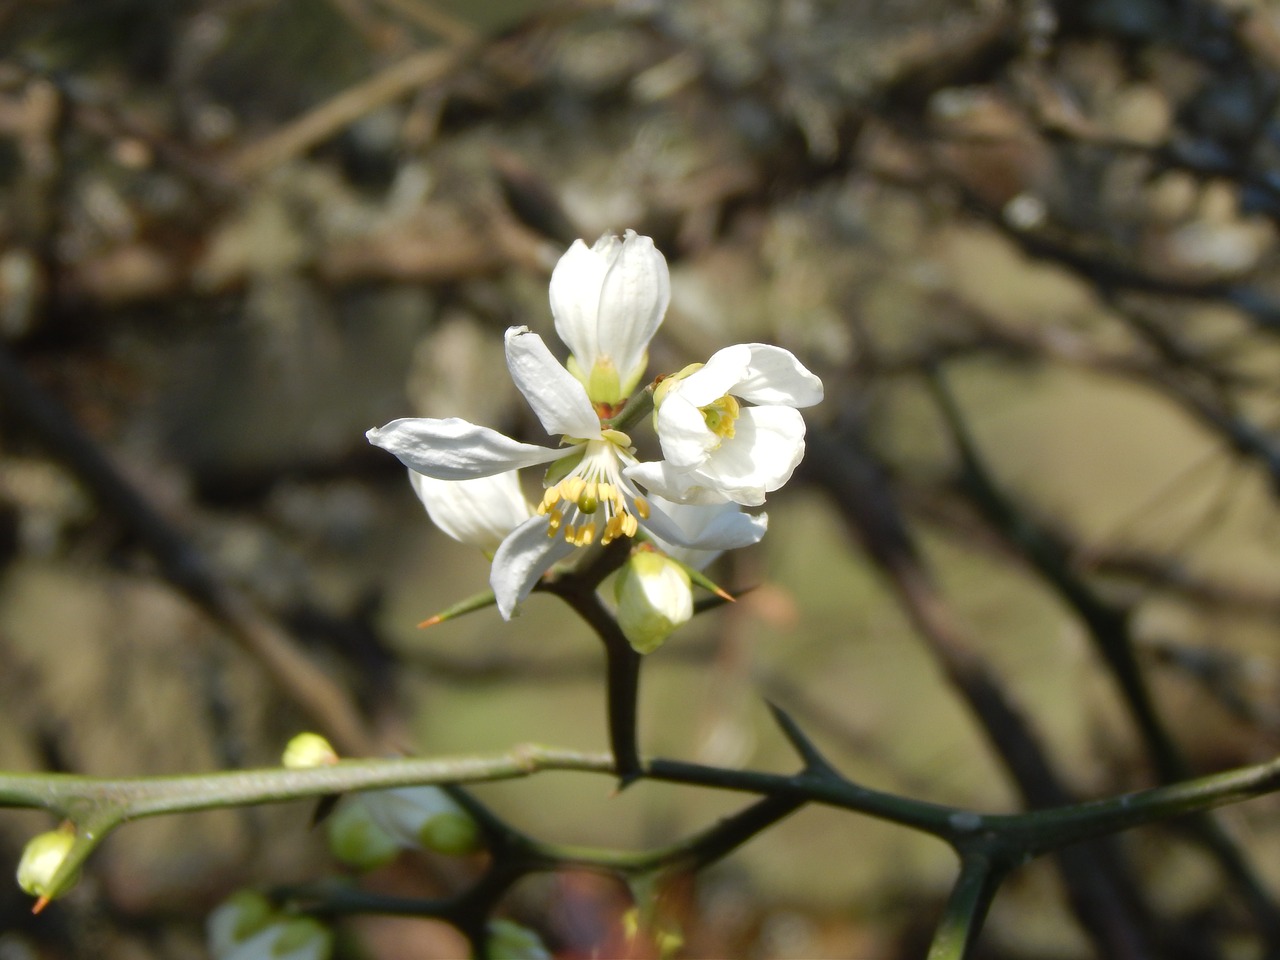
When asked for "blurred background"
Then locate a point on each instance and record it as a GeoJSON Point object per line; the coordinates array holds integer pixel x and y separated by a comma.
{"type": "Point", "coordinates": [1029, 246]}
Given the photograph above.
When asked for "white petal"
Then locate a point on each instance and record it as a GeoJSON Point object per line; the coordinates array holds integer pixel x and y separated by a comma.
{"type": "Point", "coordinates": [760, 458]}
{"type": "Point", "coordinates": [777, 377]}
{"type": "Point", "coordinates": [555, 395]}
{"type": "Point", "coordinates": [454, 449]}
{"type": "Point", "coordinates": [696, 534]}
{"type": "Point", "coordinates": [521, 561]}
{"type": "Point", "coordinates": [575, 296]}
{"type": "Point", "coordinates": [633, 301]}
{"type": "Point", "coordinates": [718, 376]}
{"type": "Point", "coordinates": [683, 432]}
{"type": "Point", "coordinates": [682, 486]}
{"type": "Point", "coordinates": [479, 512]}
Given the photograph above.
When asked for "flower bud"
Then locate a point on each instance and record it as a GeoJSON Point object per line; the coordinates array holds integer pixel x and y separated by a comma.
{"type": "Point", "coordinates": [423, 817]}
{"type": "Point", "coordinates": [41, 859]}
{"type": "Point", "coordinates": [247, 927]}
{"type": "Point", "coordinates": [654, 597]}
{"type": "Point", "coordinates": [510, 941]}
{"type": "Point", "coordinates": [301, 938]}
{"type": "Point", "coordinates": [356, 840]}
{"type": "Point", "coordinates": [242, 916]}
{"type": "Point", "coordinates": [308, 750]}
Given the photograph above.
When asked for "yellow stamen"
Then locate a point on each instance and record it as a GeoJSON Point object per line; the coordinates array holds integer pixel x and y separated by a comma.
{"type": "Point", "coordinates": [642, 508]}
{"type": "Point", "coordinates": [720, 416]}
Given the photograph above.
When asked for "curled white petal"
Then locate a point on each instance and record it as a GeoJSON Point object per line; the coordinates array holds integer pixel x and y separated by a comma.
{"type": "Point", "coordinates": [557, 398]}
{"type": "Point", "coordinates": [760, 459]}
{"type": "Point", "coordinates": [524, 556]}
{"type": "Point", "coordinates": [479, 512]}
{"type": "Point", "coordinates": [719, 375]}
{"type": "Point", "coordinates": [663, 479]}
{"type": "Point", "coordinates": [775, 376]}
{"type": "Point", "coordinates": [683, 432]}
{"type": "Point", "coordinates": [455, 449]}
{"type": "Point", "coordinates": [702, 529]}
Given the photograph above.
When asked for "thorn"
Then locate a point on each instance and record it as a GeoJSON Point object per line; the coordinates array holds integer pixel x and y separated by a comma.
{"type": "Point", "coordinates": [40, 905]}
{"type": "Point", "coordinates": [430, 622]}
{"type": "Point", "coordinates": [725, 595]}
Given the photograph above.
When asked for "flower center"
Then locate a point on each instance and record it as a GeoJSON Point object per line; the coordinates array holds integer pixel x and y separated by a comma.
{"type": "Point", "coordinates": [592, 499]}
{"type": "Point", "coordinates": [720, 416]}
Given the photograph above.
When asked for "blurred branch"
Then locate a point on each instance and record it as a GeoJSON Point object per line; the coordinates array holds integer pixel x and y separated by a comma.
{"type": "Point", "coordinates": [318, 697]}
{"type": "Point", "coordinates": [1109, 625]}
{"type": "Point", "coordinates": [1104, 896]}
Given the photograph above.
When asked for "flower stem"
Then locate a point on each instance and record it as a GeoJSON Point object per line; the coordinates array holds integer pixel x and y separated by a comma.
{"type": "Point", "coordinates": [634, 411]}
{"type": "Point", "coordinates": [966, 908]}
{"type": "Point", "coordinates": [623, 692]}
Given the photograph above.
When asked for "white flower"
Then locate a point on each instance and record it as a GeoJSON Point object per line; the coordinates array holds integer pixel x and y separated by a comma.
{"type": "Point", "coordinates": [479, 512]}
{"type": "Point", "coordinates": [608, 301]}
{"type": "Point", "coordinates": [715, 448]}
{"type": "Point", "coordinates": [654, 597]}
{"type": "Point", "coordinates": [591, 499]}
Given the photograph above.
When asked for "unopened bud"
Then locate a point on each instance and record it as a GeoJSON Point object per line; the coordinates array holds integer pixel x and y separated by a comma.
{"type": "Point", "coordinates": [302, 938]}
{"type": "Point", "coordinates": [356, 840]}
{"type": "Point", "coordinates": [308, 750]}
{"type": "Point", "coordinates": [423, 817]}
{"type": "Point", "coordinates": [240, 917]}
{"type": "Point", "coordinates": [41, 860]}
{"type": "Point", "coordinates": [510, 941]}
{"type": "Point", "coordinates": [654, 597]}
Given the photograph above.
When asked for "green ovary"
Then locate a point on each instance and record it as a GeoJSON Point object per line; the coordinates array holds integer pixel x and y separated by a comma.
{"type": "Point", "coordinates": [721, 415]}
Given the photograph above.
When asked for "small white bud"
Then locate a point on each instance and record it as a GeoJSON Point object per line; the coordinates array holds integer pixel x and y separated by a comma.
{"type": "Point", "coordinates": [654, 597]}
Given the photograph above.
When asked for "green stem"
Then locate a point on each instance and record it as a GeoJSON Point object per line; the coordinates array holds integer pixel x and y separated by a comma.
{"type": "Point", "coordinates": [966, 908]}
{"type": "Point", "coordinates": [623, 691]}
{"type": "Point", "coordinates": [634, 411]}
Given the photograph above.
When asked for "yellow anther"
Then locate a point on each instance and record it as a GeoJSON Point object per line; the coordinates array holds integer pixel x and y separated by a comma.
{"type": "Point", "coordinates": [572, 487]}
{"type": "Point", "coordinates": [555, 517]}
{"type": "Point", "coordinates": [630, 524]}
{"type": "Point", "coordinates": [549, 499]}
{"type": "Point", "coordinates": [642, 508]}
{"type": "Point", "coordinates": [586, 534]}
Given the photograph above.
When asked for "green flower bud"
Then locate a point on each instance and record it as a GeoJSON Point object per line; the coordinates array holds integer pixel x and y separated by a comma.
{"type": "Point", "coordinates": [41, 859]}
{"type": "Point", "coordinates": [242, 916]}
{"type": "Point", "coordinates": [510, 941]}
{"type": "Point", "coordinates": [451, 833]}
{"type": "Point", "coordinates": [356, 840]}
{"type": "Point", "coordinates": [654, 597]}
{"type": "Point", "coordinates": [423, 817]}
{"type": "Point", "coordinates": [309, 750]}
{"type": "Point", "coordinates": [302, 938]}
